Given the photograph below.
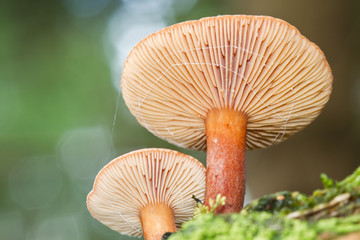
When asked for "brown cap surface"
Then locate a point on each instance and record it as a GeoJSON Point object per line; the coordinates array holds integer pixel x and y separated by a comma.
{"type": "Point", "coordinates": [149, 176]}
{"type": "Point", "coordinates": [261, 66]}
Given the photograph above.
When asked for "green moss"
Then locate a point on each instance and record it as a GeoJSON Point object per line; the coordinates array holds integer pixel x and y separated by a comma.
{"type": "Point", "coordinates": [336, 199]}
{"type": "Point", "coordinates": [257, 226]}
{"type": "Point", "coordinates": [327, 213]}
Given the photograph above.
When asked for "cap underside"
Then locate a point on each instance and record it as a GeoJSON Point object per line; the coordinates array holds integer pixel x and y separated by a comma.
{"type": "Point", "coordinates": [260, 66]}
{"type": "Point", "coordinates": [130, 182]}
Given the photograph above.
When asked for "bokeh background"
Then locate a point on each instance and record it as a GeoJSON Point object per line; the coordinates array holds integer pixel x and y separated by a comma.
{"type": "Point", "coordinates": [62, 117]}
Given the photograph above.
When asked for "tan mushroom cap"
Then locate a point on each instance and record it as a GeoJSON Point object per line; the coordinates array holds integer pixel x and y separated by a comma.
{"type": "Point", "coordinates": [258, 65]}
{"type": "Point", "coordinates": [132, 181]}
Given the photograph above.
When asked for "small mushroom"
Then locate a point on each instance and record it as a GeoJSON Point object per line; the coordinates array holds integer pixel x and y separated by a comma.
{"type": "Point", "coordinates": [147, 192]}
{"type": "Point", "coordinates": [225, 84]}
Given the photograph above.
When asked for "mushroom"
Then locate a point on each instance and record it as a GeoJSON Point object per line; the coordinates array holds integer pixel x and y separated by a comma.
{"type": "Point", "coordinates": [151, 188]}
{"type": "Point", "coordinates": [226, 84]}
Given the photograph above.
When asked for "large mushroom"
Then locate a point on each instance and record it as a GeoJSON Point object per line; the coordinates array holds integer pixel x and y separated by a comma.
{"type": "Point", "coordinates": [225, 84]}
{"type": "Point", "coordinates": [147, 192]}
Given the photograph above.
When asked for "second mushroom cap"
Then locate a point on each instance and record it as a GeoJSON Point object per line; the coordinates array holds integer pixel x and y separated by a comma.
{"type": "Point", "coordinates": [149, 177]}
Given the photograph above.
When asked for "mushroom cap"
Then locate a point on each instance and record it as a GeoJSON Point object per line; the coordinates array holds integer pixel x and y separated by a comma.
{"type": "Point", "coordinates": [258, 65]}
{"type": "Point", "coordinates": [132, 181]}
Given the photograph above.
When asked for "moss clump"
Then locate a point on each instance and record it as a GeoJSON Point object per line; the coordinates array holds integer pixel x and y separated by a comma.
{"type": "Point", "coordinates": [326, 214]}
{"type": "Point", "coordinates": [336, 199]}
{"type": "Point", "coordinates": [264, 226]}
{"type": "Point", "coordinates": [257, 226]}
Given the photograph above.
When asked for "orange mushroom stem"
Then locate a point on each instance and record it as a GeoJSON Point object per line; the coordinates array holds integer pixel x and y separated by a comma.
{"type": "Point", "coordinates": [226, 144]}
{"type": "Point", "coordinates": [157, 219]}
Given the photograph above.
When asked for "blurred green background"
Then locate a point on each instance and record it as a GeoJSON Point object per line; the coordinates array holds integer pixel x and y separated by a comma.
{"type": "Point", "coordinates": [62, 118]}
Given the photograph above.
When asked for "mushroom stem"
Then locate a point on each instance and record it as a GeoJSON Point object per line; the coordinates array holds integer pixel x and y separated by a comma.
{"type": "Point", "coordinates": [157, 219]}
{"type": "Point", "coordinates": [225, 171]}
